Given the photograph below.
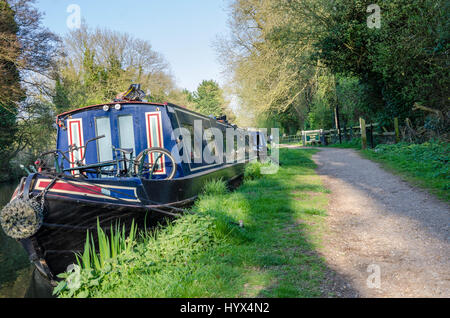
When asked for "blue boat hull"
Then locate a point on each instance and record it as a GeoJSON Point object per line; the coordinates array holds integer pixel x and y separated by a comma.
{"type": "Point", "coordinates": [73, 207]}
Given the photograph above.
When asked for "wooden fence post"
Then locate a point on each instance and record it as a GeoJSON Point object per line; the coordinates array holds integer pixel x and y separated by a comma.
{"type": "Point", "coordinates": [362, 125]}
{"type": "Point", "coordinates": [372, 145]}
{"type": "Point", "coordinates": [338, 124]}
{"type": "Point", "coordinates": [397, 130]}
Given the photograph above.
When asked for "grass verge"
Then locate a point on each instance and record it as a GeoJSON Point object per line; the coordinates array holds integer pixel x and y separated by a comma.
{"type": "Point", "coordinates": [207, 254]}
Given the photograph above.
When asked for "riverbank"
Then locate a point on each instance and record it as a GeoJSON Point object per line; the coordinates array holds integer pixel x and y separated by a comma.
{"type": "Point", "coordinates": [209, 255]}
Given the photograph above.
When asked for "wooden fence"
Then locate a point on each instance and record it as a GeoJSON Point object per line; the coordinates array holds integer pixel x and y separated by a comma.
{"type": "Point", "coordinates": [367, 132]}
{"type": "Point", "coordinates": [290, 139]}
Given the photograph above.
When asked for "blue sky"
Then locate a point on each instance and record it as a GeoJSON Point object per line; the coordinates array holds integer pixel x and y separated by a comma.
{"type": "Point", "coordinates": [181, 30]}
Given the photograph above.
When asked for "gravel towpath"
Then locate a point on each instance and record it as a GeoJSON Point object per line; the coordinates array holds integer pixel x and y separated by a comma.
{"type": "Point", "coordinates": [386, 238]}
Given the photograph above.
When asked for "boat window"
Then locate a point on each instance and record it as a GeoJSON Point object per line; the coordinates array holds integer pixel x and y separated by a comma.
{"type": "Point", "coordinates": [191, 121]}
{"type": "Point", "coordinates": [210, 140]}
{"type": "Point", "coordinates": [104, 145]}
{"type": "Point", "coordinates": [194, 151]}
{"type": "Point", "coordinates": [126, 133]}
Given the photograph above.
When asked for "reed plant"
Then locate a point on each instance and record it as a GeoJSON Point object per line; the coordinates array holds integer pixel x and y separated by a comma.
{"type": "Point", "coordinates": [215, 187]}
{"type": "Point", "coordinates": [109, 247]}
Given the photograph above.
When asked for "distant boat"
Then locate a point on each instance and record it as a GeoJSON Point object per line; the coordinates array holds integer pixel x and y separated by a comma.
{"type": "Point", "coordinates": [96, 175]}
{"type": "Point", "coordinates": [259, 142]}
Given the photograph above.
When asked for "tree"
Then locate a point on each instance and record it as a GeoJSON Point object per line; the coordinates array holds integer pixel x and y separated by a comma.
{"type": "Point", "coordinates": [26, 53]}
{"type": "Point", "coordinates": [10, 90]}
{"type": "Point", "coordinates": [268, 54]}
{"type": "Point", "coordinates": [279, 52]}
{"type": "Point", "coordinates": [182, 97]}
{"type": "Point", "coordinates": [404, 61]}
{"type": "Point", "coordinates": [95, 65]}
{"type": "Point", "coordinates": [208, 99]}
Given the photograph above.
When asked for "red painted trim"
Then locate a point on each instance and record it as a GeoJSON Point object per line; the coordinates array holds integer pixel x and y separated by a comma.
{"type": "Point", "coordinates": [16, 192]}
{"type": "Point", "coordinates": [68, 187]}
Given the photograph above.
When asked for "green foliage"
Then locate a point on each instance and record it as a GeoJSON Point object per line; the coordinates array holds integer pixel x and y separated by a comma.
{"type": "Point", "coordinates": [108, 247]}
{"type": "Point", "coordinates": [182, 240]}
{"type": "Point", "coordinates": [209, 100]}
{"type": "Point", "coordinates": [355, 143]}
{"type": "Point", "coordinates": [215, 187]}
{"type": "Point", "coordinates": [26, 53]}
{"type": "Point", "coordinates": [10, 92]}
{"type": "Point", "coordinates": [253, 171]}
{"type": "Point", "coordinates": [171, 245]}
{"type": "Point", "coordinates": [295, 61]}
{"type": "Point", "coordinates": [404, 61]}
{"type": "Point", "coordinates": [94, 264]}
{"type": "Point", "coordinates": [321, 112]}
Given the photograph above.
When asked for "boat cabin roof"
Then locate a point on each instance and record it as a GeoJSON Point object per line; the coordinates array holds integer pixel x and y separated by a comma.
{"type": "Point", "coordinates": [74, 111]}
{"type": "Point", "coordinates": [93, 107]}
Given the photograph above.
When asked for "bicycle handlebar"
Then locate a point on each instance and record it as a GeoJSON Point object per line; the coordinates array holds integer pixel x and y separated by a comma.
{"type": "Point", "coordinates": [95, 138]}
{"type": "Point", "coordinates": [71, 149]}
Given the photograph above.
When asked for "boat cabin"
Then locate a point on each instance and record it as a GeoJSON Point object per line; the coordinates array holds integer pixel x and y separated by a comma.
{"type": "Point", "coordinates": [107, 141]}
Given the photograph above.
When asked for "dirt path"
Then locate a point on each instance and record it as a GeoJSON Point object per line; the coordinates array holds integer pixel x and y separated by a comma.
{"type": "Point", "coordinates": [379, 222]}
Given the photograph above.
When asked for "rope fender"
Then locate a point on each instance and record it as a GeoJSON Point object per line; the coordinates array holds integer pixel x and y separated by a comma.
{"type": "Point", "coordinates": [21, 219]}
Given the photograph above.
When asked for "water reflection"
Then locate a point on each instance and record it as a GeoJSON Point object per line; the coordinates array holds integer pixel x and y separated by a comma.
{"type": "Point", "coordinates": [16, 271]}
{"type": "Point", "coordinates": [15, 267]}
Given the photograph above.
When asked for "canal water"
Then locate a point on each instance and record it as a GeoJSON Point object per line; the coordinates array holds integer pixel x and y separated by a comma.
{"type": "Point", "coordinates": [15, 268]}
{"type": "Point", "coordinates": [18, 277]}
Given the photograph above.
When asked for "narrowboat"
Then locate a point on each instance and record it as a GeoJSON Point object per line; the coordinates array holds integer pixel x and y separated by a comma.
{"type": "Point", "coordinates": [123, 161]}
{"type": "Point", "coordinates": [258, 139]}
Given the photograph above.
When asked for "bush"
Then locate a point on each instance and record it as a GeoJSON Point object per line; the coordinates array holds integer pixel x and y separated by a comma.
{"type": "Point", "coordinates": [252, 171]}
{"type": "Point", "coordinates": [215, 187]}
{"type": "Point", "coordinates": [354, 143]}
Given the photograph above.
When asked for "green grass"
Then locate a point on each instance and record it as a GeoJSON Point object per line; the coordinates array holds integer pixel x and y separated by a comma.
{"type": "Point", "coordinates": [355, 143]}
{"type": "Point", "coordinates": [207, 254]}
